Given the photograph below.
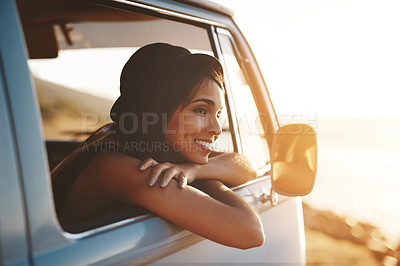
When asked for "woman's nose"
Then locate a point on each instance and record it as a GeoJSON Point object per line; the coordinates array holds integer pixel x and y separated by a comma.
{"type": "Point", "coordinates": [214, 126]}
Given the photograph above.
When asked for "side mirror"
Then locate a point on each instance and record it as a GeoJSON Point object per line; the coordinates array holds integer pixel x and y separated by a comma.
{"type": "Point", "coordinates": [294, 160]}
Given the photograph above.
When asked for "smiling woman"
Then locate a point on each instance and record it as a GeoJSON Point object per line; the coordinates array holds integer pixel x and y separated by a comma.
{"type": "Point", "coordinates": [170, 100]}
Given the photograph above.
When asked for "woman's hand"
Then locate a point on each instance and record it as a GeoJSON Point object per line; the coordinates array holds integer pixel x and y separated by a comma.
{"type": "Point", "coordinates": [165, 172]}
{"type": "Point", "coordinates": [229, 168]}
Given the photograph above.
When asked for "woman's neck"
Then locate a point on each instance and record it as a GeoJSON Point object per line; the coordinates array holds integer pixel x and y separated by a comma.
{"type": "Point", "coordinates": [172, 156]}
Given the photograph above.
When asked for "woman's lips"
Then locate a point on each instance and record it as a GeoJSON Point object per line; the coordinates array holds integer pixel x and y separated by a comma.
{"type": "Point", "coordinates": [204, 145]}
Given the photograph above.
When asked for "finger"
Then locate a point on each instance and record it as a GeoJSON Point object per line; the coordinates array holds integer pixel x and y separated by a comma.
{"type": "Point", "coordinates": [156, 172]}
{"type": "Point", "coordinates": [147, 163]}
{"type": "Point", "coordinates": [168, 175]}
{"type": "Point", "coordinates": [182, 179]}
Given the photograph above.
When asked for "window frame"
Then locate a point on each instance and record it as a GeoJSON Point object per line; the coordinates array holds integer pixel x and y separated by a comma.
{"type": "Point", "coordinates": [231, 111]}
{"type": "Point", "coordinates": [241, 62]}
{"type": "Point", "coordinates": [256, 81]}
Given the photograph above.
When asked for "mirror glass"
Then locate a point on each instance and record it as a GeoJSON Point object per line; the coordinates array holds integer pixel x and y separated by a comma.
{"type": "Point", "coordinates": [294, 160]}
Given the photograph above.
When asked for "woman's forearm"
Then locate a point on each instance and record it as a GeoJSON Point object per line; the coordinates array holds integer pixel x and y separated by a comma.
{"type": "Point", "coordinates": [217, 213]}
{"type": "Point", "coordinates": [217, 190]}
{"type": "Point", "coordinates": [246, 214]}
{"type": "Point", "coordinates": [230, 168]}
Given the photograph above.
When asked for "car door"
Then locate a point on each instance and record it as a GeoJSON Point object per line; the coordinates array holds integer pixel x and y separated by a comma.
{"type": "Point", "coordinates": [118, 25]}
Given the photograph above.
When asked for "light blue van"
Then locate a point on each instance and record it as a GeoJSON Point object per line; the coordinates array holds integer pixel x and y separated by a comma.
{"type": "Point", "coordinates": [46, 45]}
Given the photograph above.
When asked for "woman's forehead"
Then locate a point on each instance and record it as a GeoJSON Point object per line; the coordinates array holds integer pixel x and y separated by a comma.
{"type": "Point", "coordinates": [209, 89]}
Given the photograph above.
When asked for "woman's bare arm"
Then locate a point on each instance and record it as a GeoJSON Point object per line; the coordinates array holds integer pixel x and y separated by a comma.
{"type": "Point", "coordinates": [230, 168]}
{"type": "Point", "coordinates": [229, 220]}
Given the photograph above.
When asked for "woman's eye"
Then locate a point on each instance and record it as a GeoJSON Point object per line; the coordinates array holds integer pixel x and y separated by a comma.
{"type": "Point", "coordinates": [200, 111]}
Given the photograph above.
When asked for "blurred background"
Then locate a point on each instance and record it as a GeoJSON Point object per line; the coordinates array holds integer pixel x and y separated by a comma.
{"type": "Point", "coordinates": [335, 65]}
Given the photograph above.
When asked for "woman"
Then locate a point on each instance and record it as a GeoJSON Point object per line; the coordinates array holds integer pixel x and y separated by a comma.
{"type": "Point", "coordinates": [158, 153]}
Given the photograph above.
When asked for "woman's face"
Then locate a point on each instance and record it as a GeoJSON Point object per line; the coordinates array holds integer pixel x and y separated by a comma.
{"type": "Point", "coordinates": [191, 130]}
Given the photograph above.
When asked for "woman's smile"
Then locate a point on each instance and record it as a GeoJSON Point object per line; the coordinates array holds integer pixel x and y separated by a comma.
{"type": "Point", "coordinates": [204, 145]}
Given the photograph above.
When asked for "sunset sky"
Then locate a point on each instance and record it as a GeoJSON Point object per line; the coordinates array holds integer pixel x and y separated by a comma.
{"type": "Point", "coordinates": [337, 58]}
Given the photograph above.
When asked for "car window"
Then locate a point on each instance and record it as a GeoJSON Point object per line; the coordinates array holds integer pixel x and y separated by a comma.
{"type": "Point", "coordinates": [251, 131]}
{"type": "Point", "coordinates": [77, 88]}
{"type": "Point", "coordinates": [78, 82]}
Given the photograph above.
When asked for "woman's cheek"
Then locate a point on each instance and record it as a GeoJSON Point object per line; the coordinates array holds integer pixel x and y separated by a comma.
{"type": "Point", "coordinates": [199, 123]}
{"type": "Point", "coordinates": [193, 124]}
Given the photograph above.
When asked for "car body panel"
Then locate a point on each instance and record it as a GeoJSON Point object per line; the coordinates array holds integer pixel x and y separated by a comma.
{"type": "Point", "coordinates": [281, 245]}
{"type": "Point", "coordinates": [14, 249]}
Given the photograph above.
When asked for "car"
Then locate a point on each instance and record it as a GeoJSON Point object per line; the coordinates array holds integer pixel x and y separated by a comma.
{"type": "Point", "coordinates": [59, 67]}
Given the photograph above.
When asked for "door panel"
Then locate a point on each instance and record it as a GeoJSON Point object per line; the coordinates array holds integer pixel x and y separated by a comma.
{"type": "Point", "coordinates": [284, 234]}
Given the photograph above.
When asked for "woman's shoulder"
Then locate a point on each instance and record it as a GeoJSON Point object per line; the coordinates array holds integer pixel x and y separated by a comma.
{"type": "Point", "coordinates": [113, 167]}
{"type": "Point", "coordinates": [112, 160]}
{"type": "Point", "coordinates": [116, 176]}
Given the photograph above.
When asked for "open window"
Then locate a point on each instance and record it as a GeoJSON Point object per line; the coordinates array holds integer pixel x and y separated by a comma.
{"type": "Point", "coordinates": [77, 53]}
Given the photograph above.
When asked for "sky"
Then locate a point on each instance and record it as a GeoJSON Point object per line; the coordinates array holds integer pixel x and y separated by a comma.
{"type": "Point", "coordinates": [335, 58]}
{"type": "Point", "coordinates": [319, 58]}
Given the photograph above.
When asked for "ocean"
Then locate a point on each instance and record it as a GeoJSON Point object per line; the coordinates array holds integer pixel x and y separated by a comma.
{"type": "Point", "coordinates": [359, 171]}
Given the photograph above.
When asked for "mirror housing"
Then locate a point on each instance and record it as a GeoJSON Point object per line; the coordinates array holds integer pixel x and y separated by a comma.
{"type": "Point", "coordinates": [294, 160]}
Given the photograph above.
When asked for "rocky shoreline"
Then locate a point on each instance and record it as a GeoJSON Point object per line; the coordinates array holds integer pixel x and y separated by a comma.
{"type": "Point", "coordinates": [385, 251]}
